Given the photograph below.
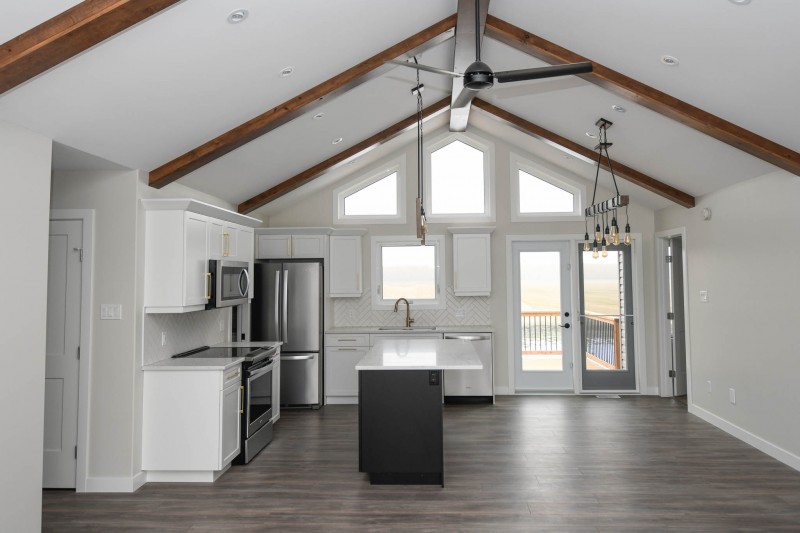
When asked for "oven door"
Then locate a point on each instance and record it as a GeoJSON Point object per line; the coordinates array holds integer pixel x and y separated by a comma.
{"type": "Point", "coordinates": [258, 398]}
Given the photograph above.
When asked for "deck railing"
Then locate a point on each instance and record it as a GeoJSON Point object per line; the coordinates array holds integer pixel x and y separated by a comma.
{"type": "Point", "coordinates": [541, 334]}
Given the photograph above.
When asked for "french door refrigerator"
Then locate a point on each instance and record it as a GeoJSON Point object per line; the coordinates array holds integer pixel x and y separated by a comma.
{"type": "Point", "coordinates": [287, 307]}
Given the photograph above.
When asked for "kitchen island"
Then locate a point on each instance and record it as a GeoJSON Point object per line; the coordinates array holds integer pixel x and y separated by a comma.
{"type": "Point", "coordinates": [400, 408]}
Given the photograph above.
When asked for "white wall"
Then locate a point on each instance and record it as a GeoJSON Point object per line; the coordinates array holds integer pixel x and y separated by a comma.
{"type": "Point", "coordinates": [747, 258]}
{"type": "Point", "coordinates": [24, 215]}
{"type": "Point", "coordinates": [317, 210]}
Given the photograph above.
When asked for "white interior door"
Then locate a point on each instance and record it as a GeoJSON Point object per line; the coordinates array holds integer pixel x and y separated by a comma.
{"type": "Point", "coordinates": [542, 316]}
{"type": "Point", "coordinates": [61, 366]}
{"type": "Point", "coordinates": [676, 316]}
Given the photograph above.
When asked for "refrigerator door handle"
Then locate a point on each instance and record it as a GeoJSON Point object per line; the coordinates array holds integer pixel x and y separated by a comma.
{"type": "Point", "coordinates": [276, 314]}
{"type": "Point", "coordinates": [285, 332]}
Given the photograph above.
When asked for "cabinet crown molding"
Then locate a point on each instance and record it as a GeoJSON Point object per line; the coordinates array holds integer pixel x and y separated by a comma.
{"type": "Point", "coordinates": [293, 231]}
{"type": "Point", "coordinates": [201, 208]}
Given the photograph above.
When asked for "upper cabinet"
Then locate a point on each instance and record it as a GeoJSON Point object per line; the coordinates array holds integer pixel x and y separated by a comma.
{"type": "Point", "coordinates": [344, 266]}
{"type": "Point", "coordinates": [291, 243]}
{"type": "Point", "coordinates": [472, 261]}
{"type": "Point", "coordinates": [181, 236]}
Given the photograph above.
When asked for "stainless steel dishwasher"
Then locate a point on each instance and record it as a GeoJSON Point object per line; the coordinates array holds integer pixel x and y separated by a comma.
{"type": "Point", "coordinates": [472, 385]}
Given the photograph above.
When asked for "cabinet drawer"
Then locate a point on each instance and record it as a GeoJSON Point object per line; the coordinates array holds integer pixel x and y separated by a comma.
{"type": "Point", "coordinates": [359, 339]}
{"type": "Point", "coordinates": [231, 376]}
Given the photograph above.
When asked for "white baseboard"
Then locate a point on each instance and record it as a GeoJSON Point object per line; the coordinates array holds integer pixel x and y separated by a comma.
{"type": "Point", "coordinates": [650, 391]}
{"type": "Point", "coordinates": [185, 476]}
{"type": "Point", "coordinates": [501, 391]}
{"type": "Point", "coordinates": [115, 484]}
{"type": "Point", "coordinates": [755, 441]}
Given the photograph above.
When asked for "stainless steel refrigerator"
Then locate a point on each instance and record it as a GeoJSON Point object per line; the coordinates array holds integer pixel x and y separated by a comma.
{"type": "Point", "coordinates": [287, 307]}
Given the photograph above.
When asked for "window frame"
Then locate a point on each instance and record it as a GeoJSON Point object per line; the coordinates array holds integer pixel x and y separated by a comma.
{"type": "Point", "coordinates": [377, 242]}
{"type": "Point", "coordinates": [556, 178]}
{"type": "Point", "coordinates": [363, 181]}
{"type": "Point", "coordinates": [479, 143]}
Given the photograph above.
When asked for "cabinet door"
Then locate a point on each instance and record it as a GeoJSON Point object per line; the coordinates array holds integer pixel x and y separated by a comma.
{"type": "Point", "coordinates": [345, 266]}
{"type": "Point", "coordinates": [308, 246]}
{"type": "Point", "coordinates": [341, 376]}
{"type": "Point", "coordinates": [274, 247]}
{"type": "Point", "coordinates": [215, 229]}
{"type": "Point", "coordinates": [230, 234]}
{"type": "Point", "coordinates": [472, 271]}
{"type": "Point", "coordinates": [230, 412]}
{"type": "Point", "coordinates": [244, 244]}
{"type": "Point", "coordinates": [195, 260]}
{"type": "Point", "coordinates": [276, 388]}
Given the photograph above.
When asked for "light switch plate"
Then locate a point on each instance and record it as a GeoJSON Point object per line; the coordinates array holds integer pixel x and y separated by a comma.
{"type": "Point", "coordinates": [110, 311]}
{"type": "Point", "coordinates": [704, 296]}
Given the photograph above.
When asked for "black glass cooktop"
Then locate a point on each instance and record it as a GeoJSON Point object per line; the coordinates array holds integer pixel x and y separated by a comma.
{"type": "Point", "coordinates": [220, 353]}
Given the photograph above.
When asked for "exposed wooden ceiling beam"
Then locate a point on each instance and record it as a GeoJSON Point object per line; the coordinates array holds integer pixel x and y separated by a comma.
{"type": "Point", "coordinates": [68, 34]}
{"type": "Point", "coordinates": [629, 174]}
{"type": "Point", "coordinates": [341, 158]}
{"type": "Point", "coordinates": [301, 104]}
{"type": "Point", "coordinates": [642, 94]}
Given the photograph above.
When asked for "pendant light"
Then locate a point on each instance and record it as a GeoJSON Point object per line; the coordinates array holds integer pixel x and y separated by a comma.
{"type": "Point", "coordinates": [605, 235]}
{"type": "Point", "coordinates": [422, 224]}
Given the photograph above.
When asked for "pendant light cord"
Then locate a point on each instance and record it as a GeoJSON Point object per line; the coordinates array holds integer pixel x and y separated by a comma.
{"type": "Point", "coordinates": [420, 181]}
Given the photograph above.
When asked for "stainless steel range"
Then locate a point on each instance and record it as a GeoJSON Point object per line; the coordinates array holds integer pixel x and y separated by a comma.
{"type": "Point", "coordinates": [257, 393]}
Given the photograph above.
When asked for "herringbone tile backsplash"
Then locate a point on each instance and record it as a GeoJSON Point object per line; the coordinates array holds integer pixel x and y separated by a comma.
{"type": "Point", "coordinates": [184, 331]}
{"type": "Point", "coordinates": [353, 312]}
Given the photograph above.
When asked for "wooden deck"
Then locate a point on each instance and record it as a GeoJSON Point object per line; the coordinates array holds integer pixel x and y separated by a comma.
{"type": "Point", "coordinates": [550, 463]}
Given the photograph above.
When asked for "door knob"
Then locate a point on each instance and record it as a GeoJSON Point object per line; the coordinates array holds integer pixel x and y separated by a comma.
{"type": "Point", "coordinates": [565, 325]}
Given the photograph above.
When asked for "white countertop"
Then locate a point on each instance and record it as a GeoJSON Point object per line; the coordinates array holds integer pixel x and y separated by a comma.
{"type": "Point", "coordinates": [421, 354]}
{"type": "Point", "coordinates": [202, 363]}
{"type": "Point", "coordinates": [422, 329]}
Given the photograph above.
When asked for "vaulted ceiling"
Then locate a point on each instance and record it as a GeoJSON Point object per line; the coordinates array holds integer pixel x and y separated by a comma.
{"type": "Point", "coordinates": [191, 97]}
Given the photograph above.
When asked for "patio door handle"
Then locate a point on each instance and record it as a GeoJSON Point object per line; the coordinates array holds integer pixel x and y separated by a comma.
{"type": "Point", "coordinates": [565, 325]}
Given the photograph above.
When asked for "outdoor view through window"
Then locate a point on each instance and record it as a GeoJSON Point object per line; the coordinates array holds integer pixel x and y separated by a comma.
{"type": "Point", "coordinates": [379, 198]}
{"type": "Point", "coordinates": [457, 180]}
{"type": "Point", "coordinates": [409, 272]}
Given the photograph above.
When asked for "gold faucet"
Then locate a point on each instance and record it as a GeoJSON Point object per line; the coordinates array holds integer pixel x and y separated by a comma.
{"type": "Point", "coordinates": [409, 320]}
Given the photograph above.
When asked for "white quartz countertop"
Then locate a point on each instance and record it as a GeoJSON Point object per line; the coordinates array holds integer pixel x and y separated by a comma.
{"type": "Point", "coordinates": [421, 354]}
{"type": "Point", "coordinates": [420, 329]}
{"type": "Point", "coordinates": [215, 363]}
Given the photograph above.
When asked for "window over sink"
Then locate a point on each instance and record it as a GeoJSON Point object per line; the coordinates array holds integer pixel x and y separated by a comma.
{"type": "Point", "coordinates": [402, 268]}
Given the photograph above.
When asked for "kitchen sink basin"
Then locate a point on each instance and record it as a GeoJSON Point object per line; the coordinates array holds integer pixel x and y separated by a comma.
{"type": "Point", "coordinates": [410, 328]}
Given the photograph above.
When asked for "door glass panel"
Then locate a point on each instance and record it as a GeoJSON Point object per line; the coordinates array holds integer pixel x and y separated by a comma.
{"type": "Point", "coordinates": [603, 279]}
{"type": "Point", "coordinates": [540, 306]}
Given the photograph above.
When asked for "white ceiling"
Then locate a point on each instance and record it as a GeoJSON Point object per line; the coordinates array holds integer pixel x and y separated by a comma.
{"type": "Point", "coordinates": [186, 75]}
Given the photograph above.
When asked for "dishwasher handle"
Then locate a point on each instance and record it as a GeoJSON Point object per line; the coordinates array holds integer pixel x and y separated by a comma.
{"type": "Point", "coordinates": [468, 337]}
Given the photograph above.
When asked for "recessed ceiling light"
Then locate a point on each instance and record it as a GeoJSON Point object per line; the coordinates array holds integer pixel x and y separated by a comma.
{"type": "Point", "coordinates": [740, 2]}
{"type": "Point", "coordinates": [318, 115]}
{"type": "Point", "coordinates": [591, 135]}
{"type": "Point", "coordinates": [285, 73]}
{"type": "Point", "coordinates": [337, 141]}
{"type": "Point", "coordinates": [670, 61]}
{"type": "Point", "coordinates": [618, 108]}
{"type": "Point", "coordinates": [238, 16]}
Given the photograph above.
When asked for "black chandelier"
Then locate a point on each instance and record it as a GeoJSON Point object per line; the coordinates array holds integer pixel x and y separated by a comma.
{"type": "Point", "coordinates": [600, 212]}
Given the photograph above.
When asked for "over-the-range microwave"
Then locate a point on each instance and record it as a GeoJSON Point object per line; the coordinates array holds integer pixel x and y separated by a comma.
{"type": "Point", "coordinates": [228, 283]}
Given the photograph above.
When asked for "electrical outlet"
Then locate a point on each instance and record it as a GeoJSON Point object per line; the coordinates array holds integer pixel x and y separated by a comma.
{"type": "Point", "coordinates": [163, 338]}
{"type": "Point", "coordinates": [709, 386]}
{"type": "Point", "coordinates": [732, 395]}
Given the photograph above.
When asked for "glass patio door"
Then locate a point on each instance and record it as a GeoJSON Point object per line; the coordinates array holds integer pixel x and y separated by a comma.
{"type": "Point", "coordinates": [608, 361]}
{"type": "Point", "coordinates": [542, 317]}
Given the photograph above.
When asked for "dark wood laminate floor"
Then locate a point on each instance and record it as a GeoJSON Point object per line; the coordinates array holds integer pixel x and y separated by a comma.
{"type": "Point", "coordinates": [551, 463]}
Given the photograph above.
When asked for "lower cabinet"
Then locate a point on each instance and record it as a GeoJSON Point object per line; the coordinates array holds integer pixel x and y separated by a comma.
{"type": "Point", "coordinates": [191, 423]}
{"type": "Point", "coordinates": [342, 352]}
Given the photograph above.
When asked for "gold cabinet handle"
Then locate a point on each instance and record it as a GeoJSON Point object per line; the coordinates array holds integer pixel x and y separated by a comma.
{"type": "Point", "coordinates": [241, 399]}
{"type": "Point", "coordinates": [226, 244]}
{"type": "Point", "coordinates": [208, 285]}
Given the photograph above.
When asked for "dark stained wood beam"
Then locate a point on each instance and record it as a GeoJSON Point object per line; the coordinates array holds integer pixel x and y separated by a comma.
{"type": "Point", "coordinates": [68, 34]}
{"type": "Point", "coordinates": [355, 151]}
{"type": "Point", "coordinates": [647, 96]}
{"type": "Point", "coordinates": [303, 103]}
{"type": "Point", "coordinates": [629, 174]}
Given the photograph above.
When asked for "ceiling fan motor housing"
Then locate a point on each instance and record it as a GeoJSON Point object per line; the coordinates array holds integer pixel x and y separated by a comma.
{"type": "Point", "coordinates": [478, 76]}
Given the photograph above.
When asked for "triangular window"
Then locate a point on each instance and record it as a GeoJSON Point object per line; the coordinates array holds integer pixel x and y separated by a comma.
{"type": "Point", "coordinates": [538, 196]}
{"type": "Point", "coordinates": [540, 191]}
{"type": "Point", "coordinates": [377, 197]}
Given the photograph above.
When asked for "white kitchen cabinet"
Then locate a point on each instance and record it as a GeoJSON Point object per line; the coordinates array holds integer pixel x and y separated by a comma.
{"type": "Point", "coordinates": [181, 235]}
{"type": "Point", "coordinates": [284, 243]}
{"type": "Point", "coordinates": [276, 388]}
{"type": "Point", "coordinates": [342, 352]}
{"type": "Point", "coordinates": [191, 423]}
{"type": "Point", "coordinates": [472, 264]}
{"type": "Point", "coordinates": [176, 261]}
{"type": "Point", "coordinates": [345, 266]}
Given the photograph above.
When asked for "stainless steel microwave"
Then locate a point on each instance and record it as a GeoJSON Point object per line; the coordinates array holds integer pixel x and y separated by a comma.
{"type": "Point", "coordinates": [228, 283]}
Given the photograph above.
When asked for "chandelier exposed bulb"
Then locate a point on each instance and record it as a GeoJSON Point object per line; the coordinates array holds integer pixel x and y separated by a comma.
{"type": "Point", "coordinates": [628, 239]}
{"type": "Point", "coordinates": [598, 233]}
{"type": "Point", "coordinates": [604, 251]}
{"type": "Point", "coordinates": [586, 246]}
{"type": "Point", "coordinates": [595, 255]}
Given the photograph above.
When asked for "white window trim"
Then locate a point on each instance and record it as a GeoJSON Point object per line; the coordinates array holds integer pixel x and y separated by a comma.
{"type": "Point", "coordinates": [557, 178]}
{"type": "Point", "coordinates": [440, 302]}
{"type": "Point", "coordinates": [365, 180]}
{"type": "Point", "coordinates": [479, 143]}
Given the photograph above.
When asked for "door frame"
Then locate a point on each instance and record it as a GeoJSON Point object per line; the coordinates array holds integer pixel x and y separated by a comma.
{"type": "Point", "coordinates": [662, 284]}
{"type": "Point", "coordinates": [86, 216]}
{"type": "Point", "coordinates": [639, 340]}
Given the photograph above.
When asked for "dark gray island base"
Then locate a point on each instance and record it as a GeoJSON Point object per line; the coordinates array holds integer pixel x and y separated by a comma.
{"type": "Point", "coordinates": [400, 427]}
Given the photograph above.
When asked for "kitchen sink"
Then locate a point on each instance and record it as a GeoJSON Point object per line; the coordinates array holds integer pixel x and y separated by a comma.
{"type": "Point", "coordinates": [410, 328]}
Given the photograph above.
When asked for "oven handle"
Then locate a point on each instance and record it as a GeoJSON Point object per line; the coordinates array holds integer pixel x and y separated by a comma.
{"type": "Point", "coordinates": [296, 357]}
{"type": "Point", "coordinates": [259, 371]}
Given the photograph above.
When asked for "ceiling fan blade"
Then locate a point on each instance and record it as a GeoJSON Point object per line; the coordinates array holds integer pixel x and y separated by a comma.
{"type": "Point", "coordinates": [542, 72]}
{"type": "Point", "coordinates": [465, 97]}
{"type": "Point", "coordinates": [426, 68]}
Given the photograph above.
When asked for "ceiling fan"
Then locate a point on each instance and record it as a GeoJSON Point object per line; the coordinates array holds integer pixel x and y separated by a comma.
{"type": "Point", "coordinates": [478, 76]}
